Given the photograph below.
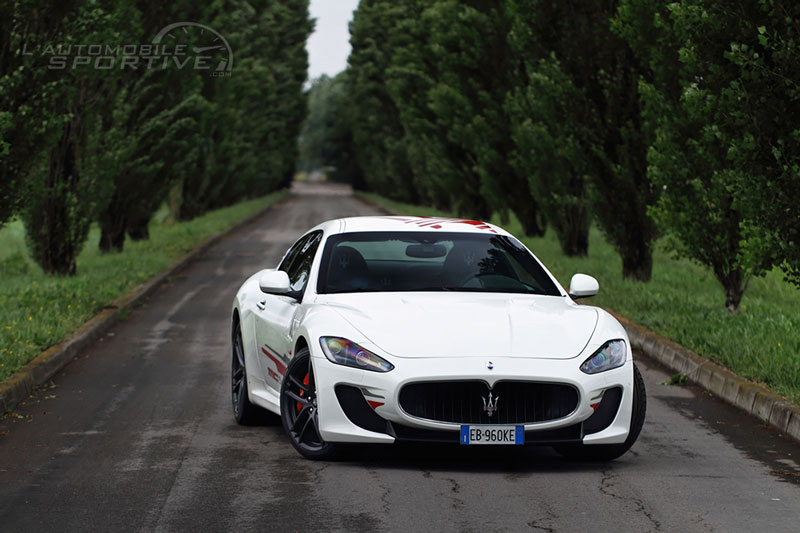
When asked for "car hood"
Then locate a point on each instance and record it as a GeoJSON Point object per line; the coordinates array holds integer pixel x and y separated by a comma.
{"type": "Point", "coordinates": [418, 325]}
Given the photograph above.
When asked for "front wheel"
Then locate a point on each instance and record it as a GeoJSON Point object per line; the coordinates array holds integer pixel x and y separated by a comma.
{"type": "Point", "coordinates": [299, 409]}
{"type": "Point", "coordinates": [609, 452]}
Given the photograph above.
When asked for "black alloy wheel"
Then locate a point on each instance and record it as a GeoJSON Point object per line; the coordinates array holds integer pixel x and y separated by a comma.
{"type": "Point", "coordinates": [299, 409]}
{"type": "Point", "coordinates": [244, 412]}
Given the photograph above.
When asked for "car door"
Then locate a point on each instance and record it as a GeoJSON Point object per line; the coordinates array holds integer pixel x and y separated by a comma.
{"type": "Point", "coordinates": [277, 314]}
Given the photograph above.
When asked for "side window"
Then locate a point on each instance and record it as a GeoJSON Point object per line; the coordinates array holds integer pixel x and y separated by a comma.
{"type": "Point", "coordinates": [292, 253]}
{"type": "Point", "coordinates": [299, 269]}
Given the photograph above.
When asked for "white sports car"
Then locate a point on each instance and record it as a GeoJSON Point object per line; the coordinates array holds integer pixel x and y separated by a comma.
{"type": "Point", "coordinates": [387, 329]}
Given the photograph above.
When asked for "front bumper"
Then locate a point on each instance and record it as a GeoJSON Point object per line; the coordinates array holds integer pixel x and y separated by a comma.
{"type": "Point", "coordinates": [389, 423]}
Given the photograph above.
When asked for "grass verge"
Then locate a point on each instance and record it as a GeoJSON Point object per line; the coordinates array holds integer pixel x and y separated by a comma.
{"type": "Point", "coordinates": [684, 302]}
{"type": "Point", "coordinates": [37, 311]}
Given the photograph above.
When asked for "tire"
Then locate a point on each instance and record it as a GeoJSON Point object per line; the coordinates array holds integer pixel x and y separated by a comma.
{"type": "Point", "coordinates": [299, 409]}
{"type": "Point", "coordinates": [609, 452]}
{"type": "Point", "coordinates": [245, 413]}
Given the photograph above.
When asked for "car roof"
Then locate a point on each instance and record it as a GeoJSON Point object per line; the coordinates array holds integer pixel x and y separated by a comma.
{"type": "Point", "coordinates": [410, 223]}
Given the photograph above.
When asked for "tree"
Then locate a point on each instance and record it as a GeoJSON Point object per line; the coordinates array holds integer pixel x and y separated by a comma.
{"type": "Point", "coordinates": [766, 61]}
{"type": "Point", "coordinates": [326, 140]}
{"type": "Point", "coordinates": [342, 148]}
{"type": "Point", "coordinates": [376, 126]}
{"type": "Point", "coordinates": [705, 134]}
{"type": "Point", "coordinates": [411, 77]}
{"type": "Point", "coordinates": [615, 140]}
{"type": "Point", "coordinates": [548, 150]}
{"type": "Point", "coordinates": [27, 123]}
{"type": "Point", "coordinates": [147, 138]}
{"type": "Point", "coordinates": [249, 131]}
{"type": "Point", "coordinates": [62, 189]}
{"type": "Point", "coordinates": [476, 70]}
{"type": "Point", "coordinates": [315, 137]}
{"type": "Point", "coordinates": [83, 143]}
{"type": "Point", "coordinates": [548, 113]}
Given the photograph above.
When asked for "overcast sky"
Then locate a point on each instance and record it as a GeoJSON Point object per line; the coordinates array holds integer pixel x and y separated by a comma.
{"type": "Point", "coordinates": [329, 46]}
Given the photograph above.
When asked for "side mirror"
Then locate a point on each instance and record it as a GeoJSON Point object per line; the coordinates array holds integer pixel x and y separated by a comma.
{"type": "Point", "coordinates": [583, 286]}
{"type": "Point", "coordinates": [275, 282]}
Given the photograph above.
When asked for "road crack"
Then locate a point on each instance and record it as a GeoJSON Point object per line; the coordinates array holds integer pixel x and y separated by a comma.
{"type": "Point", "coordinates": [607, 483]}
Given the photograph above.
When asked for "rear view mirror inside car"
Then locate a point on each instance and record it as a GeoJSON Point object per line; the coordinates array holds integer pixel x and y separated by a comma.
{"type": "Point", "coordinates": [426, 251]}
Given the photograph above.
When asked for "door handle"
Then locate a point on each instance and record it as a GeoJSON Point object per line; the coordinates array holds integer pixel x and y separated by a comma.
{"type": "Point", "coordinates": [262, 304]}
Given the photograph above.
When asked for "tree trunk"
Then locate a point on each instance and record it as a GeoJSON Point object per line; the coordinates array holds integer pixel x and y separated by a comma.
{"type": "Point", "coordinates": [733, 297]}
{"type": "Point", "coordinates": [533, 224]}
{"type": "Point", "coordinates": [50, 224]}
{"type": "Point", "coordinates": [112, 226]}
{"type": "Point", "coordinates": [138, 229]}
{"type": "Point", "coordinates": [734, 284]}
{"type": "Point", "coordinates": [575, 244]}
{"type": "Point", "coordinates": [574, 236]}
{"type": "Point", "coordinates": [637, 264]}
{"type": "Point", "coordinates": [111, 239]}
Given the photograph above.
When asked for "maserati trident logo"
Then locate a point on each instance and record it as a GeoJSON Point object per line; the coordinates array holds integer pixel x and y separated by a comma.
{"type": "Point", "coordinates": [490, 406]}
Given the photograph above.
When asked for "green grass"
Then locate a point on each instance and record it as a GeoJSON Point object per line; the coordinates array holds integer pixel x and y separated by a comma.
{"type": "Point", "coordinates": [685, 303]}
{"type": "Point", "coordinates": [37, 311]}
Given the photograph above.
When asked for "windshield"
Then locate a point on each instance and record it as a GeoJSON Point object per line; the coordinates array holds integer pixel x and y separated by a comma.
{"type": "Point", "coordinates": [430, 261]}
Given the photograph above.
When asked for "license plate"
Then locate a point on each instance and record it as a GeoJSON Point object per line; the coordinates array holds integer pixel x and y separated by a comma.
{"type": "Point", "coordinates": [492, 434]}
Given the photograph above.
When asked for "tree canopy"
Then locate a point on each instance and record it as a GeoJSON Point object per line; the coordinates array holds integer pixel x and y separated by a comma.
{"type": "Point", "coordinates": [208, 114]}
{"type": "Point", "coordinates": [643, 117]}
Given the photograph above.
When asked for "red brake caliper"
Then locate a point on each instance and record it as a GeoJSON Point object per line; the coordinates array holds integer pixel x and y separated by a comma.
{"type": "Point", "coordinates": [299, 405]}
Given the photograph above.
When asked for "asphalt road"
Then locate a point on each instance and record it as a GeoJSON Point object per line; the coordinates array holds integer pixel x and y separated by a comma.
{"type": "Point", "coordinates": [137, 435]}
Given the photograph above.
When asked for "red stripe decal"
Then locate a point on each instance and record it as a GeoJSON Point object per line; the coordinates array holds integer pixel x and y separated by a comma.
{"type": "Point", "coordinates": [278, 362]}
{"type": "Point", "coordinates": [274, 375]}
{"type": "Point", "coordinates": [374, 405]}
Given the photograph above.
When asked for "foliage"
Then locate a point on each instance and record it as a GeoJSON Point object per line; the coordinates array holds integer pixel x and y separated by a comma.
{"type": "Point", "coordinates": [468, 100]}
{"type": "Point", "coordinates": [577, 122]}
{"type": "Point", "coordinates": [643, 116]}
{"type": "Point", "coordinates": [377, 130]}
{"type": "Point", "coordinates": [29, 121]}
{"type": "Point", "coordinates": [248, 136]}
{"type": "Point", "coordinates": [148, 137]}
{"type": "Point", "coordinates": [83, 143]}
{"type": "Point", "coordinates": [712, 135]}
{"type": "Point", "coordinates": [502, 109]}
{"type": "Point", "coordinates": [63, 192]}
{"type": "Point", "coordinates": [315, 144]}
{"type": "Point", "coordinates": [765, 96]}
{"type": "Point", "coordinates": [326, 140]}
{"type": "Point", "coordinates": [545, 129]}
{"type": "Point", "coordinates": [5, 122]}
{"type": "Point", "coordinates": [430, 151]}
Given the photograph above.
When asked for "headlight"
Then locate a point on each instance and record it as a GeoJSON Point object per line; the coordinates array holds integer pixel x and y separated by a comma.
{"type": "Point", "coordinates": [610, 355]}
{"type": "Point", "coordinates": [344, 352]}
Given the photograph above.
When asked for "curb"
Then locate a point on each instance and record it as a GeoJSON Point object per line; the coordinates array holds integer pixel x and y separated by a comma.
{"type": "Point", "coordinates": [753, 399]}
{"type": "Point", "coordinates": [749, 397]}
{"type": "Point", "coordinates": [33, 374]}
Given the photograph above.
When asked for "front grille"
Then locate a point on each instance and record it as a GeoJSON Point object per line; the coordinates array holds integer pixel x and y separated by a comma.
{"type": "Point", "coordinates": [462, 402]}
